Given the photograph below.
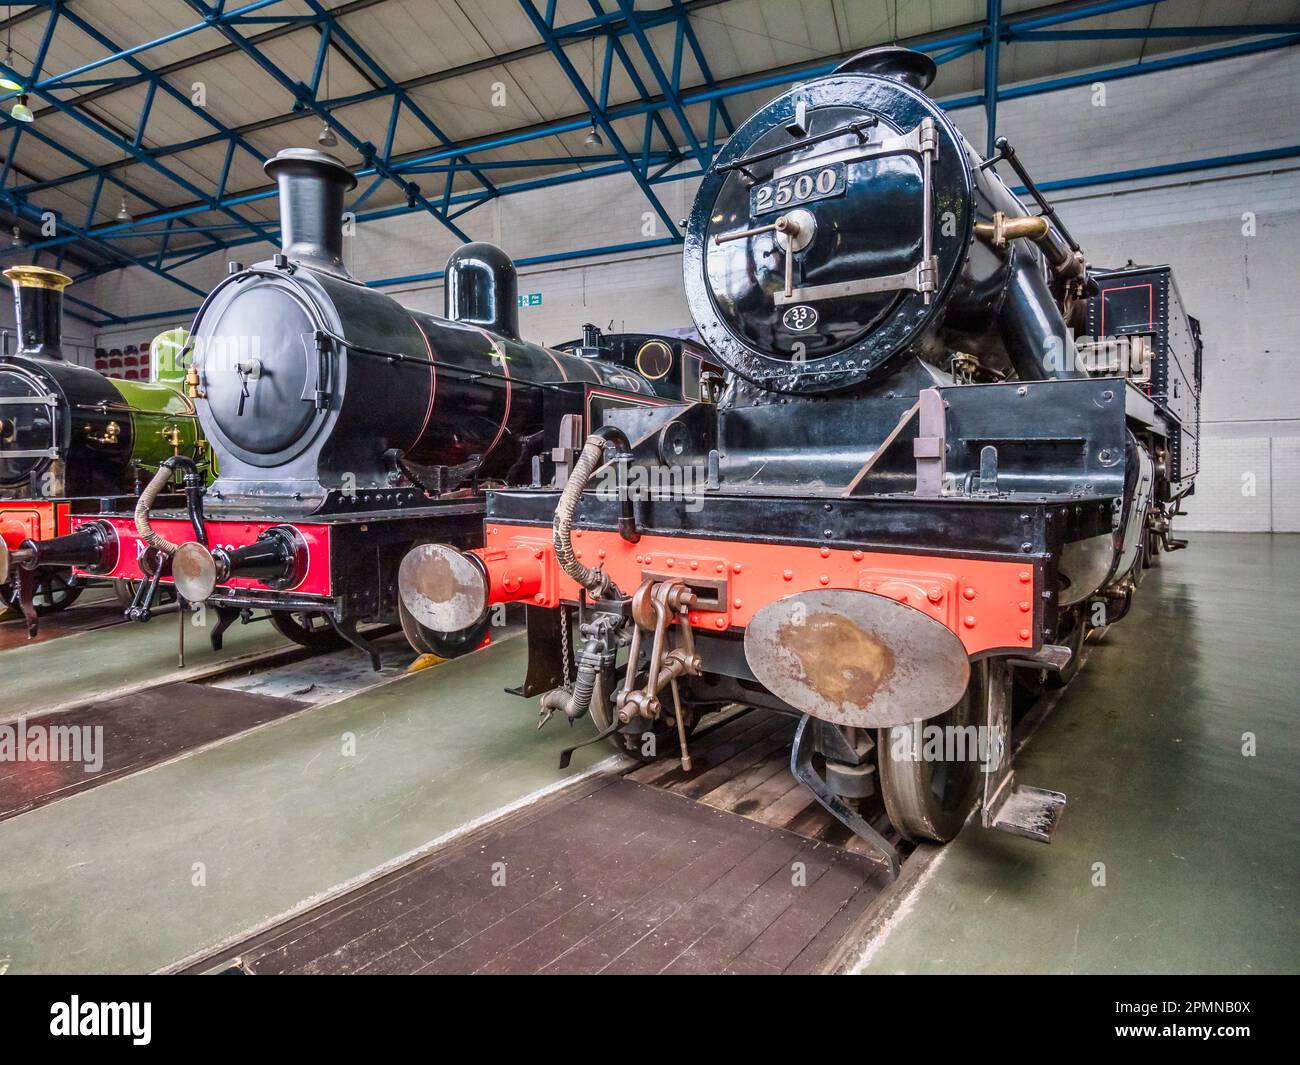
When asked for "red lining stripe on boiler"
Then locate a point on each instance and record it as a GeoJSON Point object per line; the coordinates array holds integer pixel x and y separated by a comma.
{"type": "Point", "coordinates": [433, 383]}
{"type": "Point", "coordinates": [558, 365]}
{"type": "Point", "coordinates": [505, 370]}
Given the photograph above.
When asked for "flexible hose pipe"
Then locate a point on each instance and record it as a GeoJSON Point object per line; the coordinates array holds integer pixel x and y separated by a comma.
{"type": "Point", "coordinates": [147, 499]}
{"type": "Point", "coordinates": [596, 581]}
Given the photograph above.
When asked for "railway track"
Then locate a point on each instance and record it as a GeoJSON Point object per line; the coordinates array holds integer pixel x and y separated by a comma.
{"type": "Point", "coordinates": [732, 863]}
{"type": "Point", "coordinates": [96, 610]}
{"type": "Point", "coordinates": [731, 867]}
{"type": "Point", "coordinates": [134, 726]}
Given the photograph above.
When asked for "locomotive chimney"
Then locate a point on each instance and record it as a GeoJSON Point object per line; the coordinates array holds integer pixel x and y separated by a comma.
{"type": "Point", "coordinates": [312, 185]}
{"type": "Point", "coordinates": [890, 61]}
{"type": "Point", "coordinates": [481, 288]}
{"type": "Point", "coordinates": [38, 309]}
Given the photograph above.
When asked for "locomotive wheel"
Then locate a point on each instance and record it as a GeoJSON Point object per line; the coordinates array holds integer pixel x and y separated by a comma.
{"type": "Point", "coordinates": [54, 591]}
{"type": "Point", "coordinates": [443, 644]}
{"type": "Point", "coordinates": [1072, 637]}
{"type": "Point", "coordinates": [309, 629]}
{"type": "Point", "coordinates": [931, 799]}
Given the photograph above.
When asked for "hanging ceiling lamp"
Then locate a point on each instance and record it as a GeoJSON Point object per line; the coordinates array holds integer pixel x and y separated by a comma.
{"type": "Point", "coordinates": [327, 138]}
{"type": "Point", "coordinates": [20, 112]}
{"type": "Point", "coordinates": [123, 215]}
{"type": "Point", "coordinates": [5, 81]}
{"type": "Point", "coordinates": [594, 139]}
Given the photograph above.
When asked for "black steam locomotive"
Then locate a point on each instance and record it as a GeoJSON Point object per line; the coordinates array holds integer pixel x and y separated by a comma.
{"type": "Point", "coordinates": [72, 441]}
{"type": "Point", "coordinates": [914, 489]}
{"type": "Point", "coordinates": [348, 428]}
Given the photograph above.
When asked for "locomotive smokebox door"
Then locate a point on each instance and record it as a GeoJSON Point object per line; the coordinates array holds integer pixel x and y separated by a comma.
{"type": "Point", "coordinates": [824, 242]}
{"type": "Point", "coordinates": [855, 658]}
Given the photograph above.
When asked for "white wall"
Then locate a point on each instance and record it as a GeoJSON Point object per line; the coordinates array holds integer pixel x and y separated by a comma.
{"type": "Point", "coordinates": [1242, 287]}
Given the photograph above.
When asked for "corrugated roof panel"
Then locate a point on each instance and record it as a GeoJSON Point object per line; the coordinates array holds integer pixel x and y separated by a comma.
{"type": "Point", "coordinates": [129, 23]}
{"type": "Point", "coordinates": [414, 37]}
{"type": "Point", "coordinates": [422, 39]}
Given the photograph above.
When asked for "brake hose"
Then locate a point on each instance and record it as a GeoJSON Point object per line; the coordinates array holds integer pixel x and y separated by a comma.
{"type": "Point", "coordinates": [193, 503]}
{"type": "Point", "coordinates": [596, 581]}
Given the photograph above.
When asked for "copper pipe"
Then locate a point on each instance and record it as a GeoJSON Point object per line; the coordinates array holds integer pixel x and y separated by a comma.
{"type": "Point", "coordinates": [1003, 229]}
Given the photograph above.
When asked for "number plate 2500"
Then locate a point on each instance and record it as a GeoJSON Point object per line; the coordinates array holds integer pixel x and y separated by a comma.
{"type": "Point", "coordinates": [780, 193]}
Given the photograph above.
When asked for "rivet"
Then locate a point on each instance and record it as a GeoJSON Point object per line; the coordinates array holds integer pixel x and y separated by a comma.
{"type": "Point", "coordinates": [824, 579]}
{"type": "Point", "coordinates": [670, 563]}
{"type": "Point", "coordinates": [735, 567]}
{"type": "Point", "coordinates": [1024, 634]}
{"type": "Point", "coordinates": [719, 568]}
{"type": "Point", "coordinates": [577, 554]}
{"type": "Point", "coordinates": [826, 552]}
{"type": "Point", "coordinates": [539, 598]}
{"type": "Point", "coordinates": [857, 556]}
{"type": "Point", "coordinates": [736, 603]}
{"type": "Point", "coordinates": [695, 618]}
{"type": "Point", "coordinates": [934, 595]}
{"type": "Point", "coordinates": [1024, 577]}
{"type": "Point", "coordinates": [695, 565]}
{"type": "Point", "coordinates": [1024, 608]}
{"type": "Point", "coordinates": [969, 621]}
{"type": "Point", "coordinates": [577, 533]}
{"type": "Point", "coordinates": [721, 623]}
{"type": "Point", "coordinates": [788, 575]}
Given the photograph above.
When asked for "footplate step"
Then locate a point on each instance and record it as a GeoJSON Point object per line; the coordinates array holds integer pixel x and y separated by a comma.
{"type": "Point", "coordinates": [1030, 812]}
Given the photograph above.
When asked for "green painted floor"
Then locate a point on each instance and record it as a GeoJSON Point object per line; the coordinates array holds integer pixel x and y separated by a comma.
{"type": "Point", "coordinates": [77, 667]}
{"type": "Point", "coordinates": [105, 881]}
{"type": "Point", "coordinates": [1200, 845]}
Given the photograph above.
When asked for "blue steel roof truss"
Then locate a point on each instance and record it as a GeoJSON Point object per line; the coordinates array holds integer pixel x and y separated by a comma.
{"type": "Point", "coordinates": [672, 145]}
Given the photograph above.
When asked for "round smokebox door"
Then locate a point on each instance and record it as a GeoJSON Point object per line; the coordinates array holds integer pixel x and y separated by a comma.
{"type": "Point", "coordinates": [822, 242]}
{"type": "Point", "coordinates": [259, 368]}
{"type": "Point", "coordinates": [26, 426]}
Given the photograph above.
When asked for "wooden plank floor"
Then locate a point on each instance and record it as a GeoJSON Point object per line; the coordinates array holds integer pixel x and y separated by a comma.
{"type": "Point", "coordinates": [138, 730]}
{"type": "Point", "coordinates": [615, 877]}
{"type": "Point", "coordinates": [743, 766]}
{"type": "Point", "coordinates": [654, 872]}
